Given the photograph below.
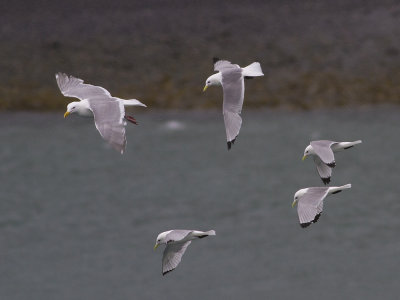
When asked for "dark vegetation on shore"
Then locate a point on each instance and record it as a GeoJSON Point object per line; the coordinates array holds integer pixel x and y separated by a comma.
{"type": "Point", "coordinates": [313, 53]}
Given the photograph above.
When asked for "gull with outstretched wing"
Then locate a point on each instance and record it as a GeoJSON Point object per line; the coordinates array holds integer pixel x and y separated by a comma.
{"type": "Point", "coordinates": [95, 101]}
{"type": "Point", "coordinates": [177, 241]}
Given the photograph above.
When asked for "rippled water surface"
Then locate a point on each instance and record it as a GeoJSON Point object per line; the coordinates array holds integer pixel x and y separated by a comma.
{"type": "Point", "coordinates": [79, 221]}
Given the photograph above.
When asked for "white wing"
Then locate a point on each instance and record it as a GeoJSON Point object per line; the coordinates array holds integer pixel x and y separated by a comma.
{"type": "Point", "coordinates": [172, 256]}
{"type": "Point", "coordinates": [310, 205]}
{"type": "Point", "coordinates": [74, 87]}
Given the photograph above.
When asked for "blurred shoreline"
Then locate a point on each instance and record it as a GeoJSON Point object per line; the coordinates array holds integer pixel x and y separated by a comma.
{"type": "Point", "coordinates": [167, 113]}
{"type": "Point", "coordinates": [314, 54]}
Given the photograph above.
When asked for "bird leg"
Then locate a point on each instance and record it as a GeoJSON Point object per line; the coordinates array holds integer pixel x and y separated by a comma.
{"type": "Point", "coordinates": [131, 119]}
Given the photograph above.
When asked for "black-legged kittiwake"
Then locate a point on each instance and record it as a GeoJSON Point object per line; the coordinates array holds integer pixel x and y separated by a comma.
{"type": "Point", "coordinates": [176, 243]}
{"type": "Point", "coordinates": [108, 111]}
{"type": "Point", "coordinates": [322, 151]}
{"type": "Point", "coordinates": [310, 202]}
{"type": "Point", "coordinates": [231, 77]}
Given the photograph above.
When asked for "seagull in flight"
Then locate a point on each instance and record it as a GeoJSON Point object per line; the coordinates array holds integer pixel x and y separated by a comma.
{"type": "Point", "coordinates": [177, 241]}
{"type": "Point", "coordinates": [231, 78]}
{"type": "Point", "coordinates": [323, 154]}
{"type": "Point", "coordinates": [96, 101]}
{"type": "Point", "coordinates": [310, 202]}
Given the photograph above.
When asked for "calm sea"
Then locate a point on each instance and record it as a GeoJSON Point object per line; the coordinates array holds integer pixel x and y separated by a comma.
{"type": "Point", "coordinates": [79, 221]}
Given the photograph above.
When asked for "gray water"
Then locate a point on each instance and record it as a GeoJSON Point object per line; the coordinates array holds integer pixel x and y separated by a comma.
{"type": "Point", "coordinates": [79, 221]}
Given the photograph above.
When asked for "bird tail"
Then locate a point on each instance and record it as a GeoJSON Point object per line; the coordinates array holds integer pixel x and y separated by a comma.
{"type": "Point", "coordinates": [210, 232]}
{"type": "Point", "coordinates": [347, 145]}
{"type": "Point", "coordinates": [133, 102]}
{"type": "Point", "coordinates": [253, 70]}
{"type": "Point", "coordinates": [346, 186]}
{"type": "Point", "coordinates": [203, 234]}
{"type": "Point", "coordinates": [355, 143]}
{"type": "Point", "coordinates": [337, 189]}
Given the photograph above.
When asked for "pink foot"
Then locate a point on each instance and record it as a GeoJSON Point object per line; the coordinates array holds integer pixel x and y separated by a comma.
{"type": "Point", "coordinates": [131, 119]}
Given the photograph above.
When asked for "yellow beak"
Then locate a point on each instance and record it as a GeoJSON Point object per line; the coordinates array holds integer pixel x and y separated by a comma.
{"type": "Point", "coordinates": [304, 157]}
{"type": "Point", "coordinates": [205, 88]}
{"type": "Point", "coordinates": [293, 204]}
{"type": "Point", "coordinates": [155, 246]}
{"type": "Point", "coordinates": [66, 114]}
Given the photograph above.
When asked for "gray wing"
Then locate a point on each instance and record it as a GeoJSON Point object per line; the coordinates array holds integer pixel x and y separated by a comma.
{"type": "Point", "coordinates": [74, 87]}
{"type": "Point", "coordinates": [324, 171]}
{"type": "Point", "coordinates": [233, 89]}
{"type": "Point", "coordinates": [222, 65]}
{"type": "Point", "coordinates": [172, 256]}
{"type": "Point", "coordinates": [177, 235]}
{"type": "Point", "coordinates": [310, 205]}
{"type": "Point", "coordinates": [323, 150]}
{"type": "Point", "coordinates": [109, 121]}
{"type": "Point", "coordinates": [320, 208]}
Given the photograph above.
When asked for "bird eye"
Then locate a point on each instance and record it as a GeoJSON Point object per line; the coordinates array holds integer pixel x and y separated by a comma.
{"type": "Point", "coordinates": [73, 107]}
{"type": "Point", "coordinates": [208, 82]}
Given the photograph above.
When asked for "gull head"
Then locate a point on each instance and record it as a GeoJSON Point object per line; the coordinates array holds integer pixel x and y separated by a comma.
{"type": "Point", "coordinates": [72, 107]}
{"type": "Point", "coordinates": [298, 195]}
{"type": "Point", "coordinates": [161, 239]}
{"type": "Point", "coordinates": [308, 151]}
{"type": "Point", "coordinates": [213, 80]}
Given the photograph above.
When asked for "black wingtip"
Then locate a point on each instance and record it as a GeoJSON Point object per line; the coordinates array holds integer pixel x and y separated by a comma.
{"type": "Point", "coordinates": [166, 272]}
{"type": "Point", "coordinates": [215, 59]}
{"type": "Point", "coordinates": [248, 77]}
{"type": "Point", "coordinates": [230, 143]}
{"type": "Point", "coordinates": [336, 192]}
{"type": "Point", "coordinates": [332, 164]}
{"type": "Point", "coordinates": [326, 180]}
{"type": "Point", "coordinates": [304, 225]}
{"type": "Point", "coordinates": [317, 218]}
